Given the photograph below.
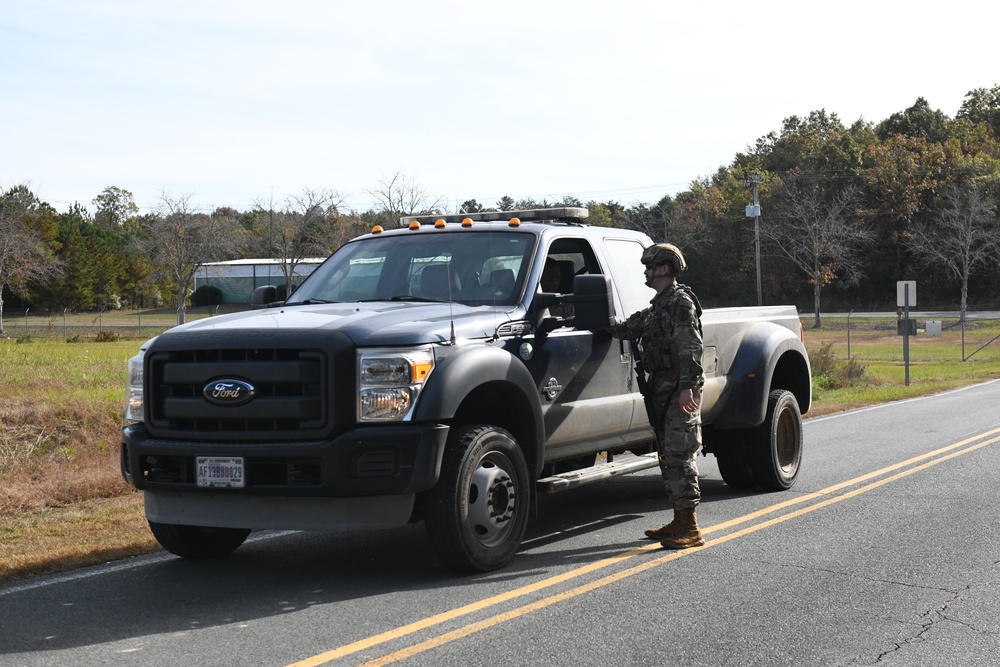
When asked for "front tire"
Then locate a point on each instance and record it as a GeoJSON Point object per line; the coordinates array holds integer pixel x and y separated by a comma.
{"type": "Point", "coordinates": [479, 508]}
{"type": "Point", "coordinates": [197, 541]}
{"type": "Point", "coordinates": [775, 447]}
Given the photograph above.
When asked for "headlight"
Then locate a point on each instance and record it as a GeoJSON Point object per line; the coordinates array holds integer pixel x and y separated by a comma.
{"type": "Point", "coordinates": [389, 382]}
{"type": "Point", "coordinates": [134, 412]}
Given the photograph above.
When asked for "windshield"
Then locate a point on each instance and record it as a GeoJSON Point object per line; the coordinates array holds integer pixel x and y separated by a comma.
{"type": "Point", "coordinates": [474, 268]}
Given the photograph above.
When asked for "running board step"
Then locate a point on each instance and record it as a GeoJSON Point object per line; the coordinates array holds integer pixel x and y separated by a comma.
{"type": "Point", "coordinates": [596, 473]}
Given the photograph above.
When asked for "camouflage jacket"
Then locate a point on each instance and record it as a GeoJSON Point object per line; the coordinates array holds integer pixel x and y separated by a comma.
{"type": "Point", "coordinates": [671, 341]}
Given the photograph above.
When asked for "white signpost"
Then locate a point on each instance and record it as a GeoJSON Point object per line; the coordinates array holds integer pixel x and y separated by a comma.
{"type": "Point", "coordinates": [906, 296]}
{"type": "Point", "coordinates": [906, 289]}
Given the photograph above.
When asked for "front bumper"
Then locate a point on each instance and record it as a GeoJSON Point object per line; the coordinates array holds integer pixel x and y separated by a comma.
{"type": "Point", "coordinates": [226, 510]}
{"type": "Point", "coordinates": [371, 461]}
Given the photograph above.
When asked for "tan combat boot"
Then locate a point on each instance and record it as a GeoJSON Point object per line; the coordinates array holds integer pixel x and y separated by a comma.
{"type": "Point", "coordinates": [689, 534]}
{"type": "Point", "coordinates": [665, 531]}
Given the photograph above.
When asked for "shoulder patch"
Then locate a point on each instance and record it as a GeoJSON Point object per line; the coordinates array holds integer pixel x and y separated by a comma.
{"type": "Point", "coordinates": [687, 297]}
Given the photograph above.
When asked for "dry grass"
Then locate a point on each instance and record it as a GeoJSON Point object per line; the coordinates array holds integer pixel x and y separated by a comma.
{"type": "Point", "coordinates": [53, 455]}
{"type": "Point", "coordinates": [63, 502]}
{"type": "Point", "coordinates": [59, 538]}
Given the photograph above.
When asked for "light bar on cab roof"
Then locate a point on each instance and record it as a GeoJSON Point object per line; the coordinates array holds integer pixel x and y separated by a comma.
{"type": "Point", "coordinates": [564, 214]}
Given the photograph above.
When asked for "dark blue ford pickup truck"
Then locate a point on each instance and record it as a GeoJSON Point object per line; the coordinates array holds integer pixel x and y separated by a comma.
{"type": "Point", "coordinates": [430, 373]}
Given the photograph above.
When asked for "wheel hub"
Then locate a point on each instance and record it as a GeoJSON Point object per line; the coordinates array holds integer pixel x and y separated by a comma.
{"type": "Point", "coordinates": [786, 442]}
{"type": "Point", "coordinates": [492, 501]}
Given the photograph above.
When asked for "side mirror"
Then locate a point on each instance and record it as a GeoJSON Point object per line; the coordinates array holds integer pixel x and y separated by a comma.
{"type": "Point", "coordinates": [263, 296]}
{"type": "Point", "coordinates": [593, 301]}
{"type": "Point", "coordinates": [542, 313]}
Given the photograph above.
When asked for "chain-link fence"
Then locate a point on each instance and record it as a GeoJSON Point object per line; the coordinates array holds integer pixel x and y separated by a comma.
{"type": "Point", "coordinates": [102, 325]}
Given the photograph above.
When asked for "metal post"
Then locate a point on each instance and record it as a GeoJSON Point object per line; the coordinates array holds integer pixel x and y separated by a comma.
{"type": "Point", "coordinates": [849, 334]}
{"type": "Point", "coordinates": [26, 322]}
{"type": "Point", "coordinates": [963, 334]}
{"type": "Point", "coordinates": [65, 330]}
{"type": "Point", "coordinates": [756, 242]}
{"type": "Point", "coordinates": [906, 331]}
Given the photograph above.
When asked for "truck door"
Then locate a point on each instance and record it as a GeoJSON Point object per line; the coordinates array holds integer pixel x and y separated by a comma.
{"type": "Point", "coordinates": [582, 378]}
{"type": "Point", "coordinates": [632, 295]}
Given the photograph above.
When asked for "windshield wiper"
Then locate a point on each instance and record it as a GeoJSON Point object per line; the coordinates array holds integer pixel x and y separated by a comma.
{"type": "Point", "coordinates": [309, 302]}
{"type": "Point", "coordinates": [403, 297]}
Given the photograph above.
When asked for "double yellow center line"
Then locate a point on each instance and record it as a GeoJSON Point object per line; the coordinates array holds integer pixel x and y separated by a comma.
{"type": "Point", "coordinates": [809, 502]}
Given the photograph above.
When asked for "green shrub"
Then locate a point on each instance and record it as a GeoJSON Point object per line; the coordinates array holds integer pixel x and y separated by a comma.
{"type": "Point", "coordinates": [831, 373]}
{"type": "Point", "coordinates": [853, 373]}
{"type": "Point", "coordinates": [822, 360]}
{"type": "Point", "coordinates": [823, 382]}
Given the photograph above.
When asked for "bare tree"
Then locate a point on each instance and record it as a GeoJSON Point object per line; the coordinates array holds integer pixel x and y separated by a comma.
{"type": "Point", "coordinates": [24, 257]}
{"type": "Point", "coordinates": [179, 239]}
{"type": "Point", "coordinates": [964, 235]}
{"type": "Point", "coordinates": [304, 229]}
{"type": "Point", "coordinates": [664, 221]}
{"type": "Point", "coordinates": [819, 232]}
{"type": "Point", "coordinates": [401, 195]}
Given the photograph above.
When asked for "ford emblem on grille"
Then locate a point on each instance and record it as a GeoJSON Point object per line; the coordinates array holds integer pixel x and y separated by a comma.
{"type": "Point", "coordinates": [229, 392]}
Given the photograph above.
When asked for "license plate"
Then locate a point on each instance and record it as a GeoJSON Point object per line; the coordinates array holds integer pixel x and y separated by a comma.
{"type": "Point", "coordinates": [219, 471]}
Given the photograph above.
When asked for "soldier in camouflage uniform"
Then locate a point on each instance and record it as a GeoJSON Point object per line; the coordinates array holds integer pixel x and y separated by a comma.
{"type": "Point", "coordinates": [671, 341]}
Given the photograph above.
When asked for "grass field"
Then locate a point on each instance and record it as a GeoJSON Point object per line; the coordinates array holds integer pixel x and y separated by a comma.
{"type": "Point", "coordinates": [935, 363]}
{"type": "Point", "coordinates": [63, 503]}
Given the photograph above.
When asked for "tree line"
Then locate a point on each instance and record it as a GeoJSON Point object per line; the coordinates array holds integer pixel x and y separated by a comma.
{"type": "Point", "coordinates": [845, 211]}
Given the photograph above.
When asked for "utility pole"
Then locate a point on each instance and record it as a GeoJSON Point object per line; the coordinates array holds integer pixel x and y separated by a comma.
{"type": "Point", "coordinates": [270, 224]}
{"type": "Point", "coordinates": [753, 211]}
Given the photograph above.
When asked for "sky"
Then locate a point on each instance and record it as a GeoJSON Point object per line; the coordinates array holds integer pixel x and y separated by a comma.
{"type": "Point", "coordinates": [236, 103]}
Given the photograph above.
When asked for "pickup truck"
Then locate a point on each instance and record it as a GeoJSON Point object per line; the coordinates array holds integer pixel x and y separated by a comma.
{"type": "Point", "coordinates": [423, 373]}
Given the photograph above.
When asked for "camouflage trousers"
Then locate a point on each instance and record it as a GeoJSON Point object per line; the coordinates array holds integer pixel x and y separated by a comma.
{"type": "Point", "coordinates": [677, 448]}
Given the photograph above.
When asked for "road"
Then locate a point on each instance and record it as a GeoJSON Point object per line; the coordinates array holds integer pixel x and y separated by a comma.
{"type": "Point", "coordinates": [885, 552]}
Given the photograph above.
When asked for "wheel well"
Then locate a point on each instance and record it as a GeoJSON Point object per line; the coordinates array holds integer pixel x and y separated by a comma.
{"type": "Point", "coordinates": [792, 373]}
{"type": "Point", "coordinates": [501, 405]}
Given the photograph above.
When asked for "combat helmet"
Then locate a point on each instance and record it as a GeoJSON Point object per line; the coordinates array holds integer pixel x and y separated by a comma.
{"type": "Point", "coordinates": [665, 253]}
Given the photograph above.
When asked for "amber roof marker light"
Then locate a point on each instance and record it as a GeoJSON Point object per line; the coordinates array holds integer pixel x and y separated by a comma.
{"type": "Point", "coordinates": [572, 215]}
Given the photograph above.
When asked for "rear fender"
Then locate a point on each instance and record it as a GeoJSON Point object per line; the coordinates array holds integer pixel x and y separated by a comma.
{"type": "Point", "coordinates": [769, 357]}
